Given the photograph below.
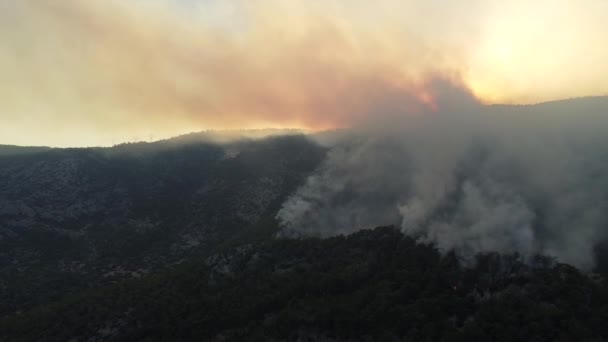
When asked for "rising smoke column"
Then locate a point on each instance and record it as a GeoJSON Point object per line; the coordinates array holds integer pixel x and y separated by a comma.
{"type": "Point", "coordinates": [470, 178]}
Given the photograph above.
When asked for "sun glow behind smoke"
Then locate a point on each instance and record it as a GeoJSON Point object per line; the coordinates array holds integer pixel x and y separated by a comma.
{"type": "Point", "coordinates": [95, 72]}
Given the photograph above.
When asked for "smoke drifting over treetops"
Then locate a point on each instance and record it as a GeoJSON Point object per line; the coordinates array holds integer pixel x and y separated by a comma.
{"type": "Point", "coordinates": [474, 178]}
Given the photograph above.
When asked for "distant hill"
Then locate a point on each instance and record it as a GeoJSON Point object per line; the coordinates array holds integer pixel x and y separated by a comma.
{"type": "Point", "coordinates": [224, 136]}
{"type": "Point", "coordinates": [11, 150]}
{"type": "Point", "coordinates": [587, 105]}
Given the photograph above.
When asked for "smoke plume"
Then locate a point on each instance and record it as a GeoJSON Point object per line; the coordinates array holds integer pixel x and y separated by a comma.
{"type": "Point", "coordinates": [470, 178]}
{"type": "Point", "coordinates": [82, 72]}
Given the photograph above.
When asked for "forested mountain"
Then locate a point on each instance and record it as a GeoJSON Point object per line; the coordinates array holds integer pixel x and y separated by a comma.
{"type": "Point", "coordinates": [176, 241]}
{"type": "Point", "coordinates": [76, 218]}
{"type": "Point", "coordinates": [370, 286]}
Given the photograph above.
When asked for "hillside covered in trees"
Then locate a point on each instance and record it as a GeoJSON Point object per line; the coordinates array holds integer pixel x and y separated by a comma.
{"type": "Point", "coordinates": [179, 240]}
{"type": "Point", "coordinates": [374, 285]}
{"type": "Point", "coordinates": [73, 219]}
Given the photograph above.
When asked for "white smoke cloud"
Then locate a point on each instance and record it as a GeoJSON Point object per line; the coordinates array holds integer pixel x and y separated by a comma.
{"type": "Point", "coordinates": [526, 179]}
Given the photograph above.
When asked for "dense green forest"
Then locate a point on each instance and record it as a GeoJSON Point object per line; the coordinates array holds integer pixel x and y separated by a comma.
{"type": "Point", "coordinates": [375, 285]}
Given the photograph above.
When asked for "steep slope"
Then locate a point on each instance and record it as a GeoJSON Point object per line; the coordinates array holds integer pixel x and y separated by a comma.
{"type": "Point", "coordinates": [74, 218]}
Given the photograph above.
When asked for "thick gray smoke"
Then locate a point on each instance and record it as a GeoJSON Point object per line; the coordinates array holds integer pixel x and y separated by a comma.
{"type": "Point", "coordinates": [526, 179]}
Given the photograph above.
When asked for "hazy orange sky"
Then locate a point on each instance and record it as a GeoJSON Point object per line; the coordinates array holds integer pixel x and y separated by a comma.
{"type": "Point", "coordinates": [98, 72]}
